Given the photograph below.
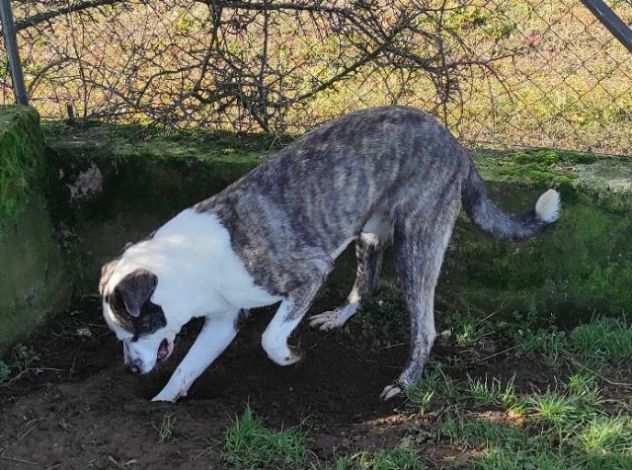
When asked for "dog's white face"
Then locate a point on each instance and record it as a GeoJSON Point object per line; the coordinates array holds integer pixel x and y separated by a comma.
{"type": "Point", "coordinates": [140, 324]}
{"type": "Point", "coordinates": [141, 353]}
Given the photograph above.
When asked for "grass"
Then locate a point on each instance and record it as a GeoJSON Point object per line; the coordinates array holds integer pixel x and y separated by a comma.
{"type": "Point", "coordinates": [5, 372]}
{"type": "Point", "coordinates": [434, 387]}
{"type": "Point", "coordinates": [476, 432]}
{"type": "Point", "coordinates": [491, 391]}
{"type": "Point", "coordinates": [571, 424]}
{"type": "Point", "coordinates": [608, 435]}
{"type": "Point", "coordinates": [23, 357]}
{"type": "Point", "coordinates": [391, 459]}
{"type": "Point", "coordinates": [598, 343]}
{"type": "Point", "coordinates": [558, 411]}
{"type": "Point", "coordinates": [579, 99]}
{"type": "Point", "coordinates": [603, 340]}
{"type": "Point", "coordinates": [249, 444]}
{"type": "Point", "coordinates": [166, 430]}
{"type": "Point", "coordinates": [19, 361]}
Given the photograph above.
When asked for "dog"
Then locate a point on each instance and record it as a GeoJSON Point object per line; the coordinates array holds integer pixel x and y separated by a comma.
{"type": "Point", "coordinates": [373, 177]}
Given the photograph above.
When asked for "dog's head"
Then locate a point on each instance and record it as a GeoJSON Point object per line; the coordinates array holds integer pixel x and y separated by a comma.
{"type": "Point", "coordinates": [139, 323]}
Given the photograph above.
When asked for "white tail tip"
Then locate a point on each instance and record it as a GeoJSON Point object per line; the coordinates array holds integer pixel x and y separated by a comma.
{"type": "Point", "coordinates": [548, 206]}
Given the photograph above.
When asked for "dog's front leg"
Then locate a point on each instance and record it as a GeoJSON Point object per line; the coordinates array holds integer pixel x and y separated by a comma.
{"type": "Point", "coordinates": [285, 320]}
{"type": "Point", "coordinates": [215, 336]}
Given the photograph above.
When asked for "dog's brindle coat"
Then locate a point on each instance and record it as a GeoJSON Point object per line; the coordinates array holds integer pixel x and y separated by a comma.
{"type": "Point", "coordinates": [372, 176]}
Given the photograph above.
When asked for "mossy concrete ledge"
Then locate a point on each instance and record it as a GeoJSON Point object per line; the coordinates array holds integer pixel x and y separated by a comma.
{"type": "Point", "coordinates": [32, 275]}
{"type": "Point", "coordinates": [581, 266]}
{"type": "Point", "coordinates": [121, 183]}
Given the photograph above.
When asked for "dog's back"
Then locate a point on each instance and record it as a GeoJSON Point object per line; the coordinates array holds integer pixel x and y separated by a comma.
{"type": "Point", "coordinates": [316, 194]}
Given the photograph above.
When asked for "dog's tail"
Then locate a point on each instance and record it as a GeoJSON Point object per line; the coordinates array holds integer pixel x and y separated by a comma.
{"type": "Point", "coordinates": [489, 218]}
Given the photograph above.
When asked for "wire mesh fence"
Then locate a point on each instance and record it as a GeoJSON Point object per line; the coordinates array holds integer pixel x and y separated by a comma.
{"type": "Point", "coordinates": [503, 72]}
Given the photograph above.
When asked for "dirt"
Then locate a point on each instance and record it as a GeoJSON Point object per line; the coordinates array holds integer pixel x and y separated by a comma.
{"type": "Point", "coordinates": [78, 408]}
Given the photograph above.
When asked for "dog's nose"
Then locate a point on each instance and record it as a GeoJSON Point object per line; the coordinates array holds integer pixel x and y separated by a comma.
{"type": "Point", "coordinates": [135, 367]}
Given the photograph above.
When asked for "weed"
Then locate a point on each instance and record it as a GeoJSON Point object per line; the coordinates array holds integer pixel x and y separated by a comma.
{"type": "Point", "coordinates": [551, 343]}
{"type": "Point", "coordinates": [508, 458]}
{"type": "Point", "coordinates": [477, 432]}
{"type": "Point", "coordinates": [468, 335]}
{"type": "Point", "coordinates": [166, 431]}
{"type": "Point", "coordinates": [5, 372]}
{"type": "Point", "coordinates": [24, 357]}
{"type": "Point", "coordinates": [562, 413]}
{"type": "Point", "coordinates": [607, 435]}
{"type": "Point", "coordinates": [391, 459]}
{"type": "Point", "coordinates": [491, 392]}
{"type": "Point", "coordinates": [585, 388]}
{"type": "Point", "coordinates": [250, 445]}
{"type": "Point", "coordinates": [603, 340]}
{"type": "Point", "coordinates": [606, 443]}
{"type": "Point", "coordinates": [434, 383]}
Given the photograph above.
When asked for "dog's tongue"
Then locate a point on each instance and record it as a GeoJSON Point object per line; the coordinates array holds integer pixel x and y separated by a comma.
{"type": "Point", "coordinates": [163, 350]}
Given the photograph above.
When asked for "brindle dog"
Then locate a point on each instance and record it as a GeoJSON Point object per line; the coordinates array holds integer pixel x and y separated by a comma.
{"type": "Point", "coordinates": [376, 176]}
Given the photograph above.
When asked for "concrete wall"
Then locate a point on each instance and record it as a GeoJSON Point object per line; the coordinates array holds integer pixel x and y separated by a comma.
{"type": "Point", "coordinates": [583, 266]}
{"type": "Point", "coordinates": [85, 197]}
{"type": "Point", "coordinates": [33, 280]}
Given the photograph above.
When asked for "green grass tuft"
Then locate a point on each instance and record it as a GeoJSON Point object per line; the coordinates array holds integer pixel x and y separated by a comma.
{"type": "Point", "coordinates": [507, 458]}
{"type": "Point", "coordinates": [491, 392]}
{"type": "Point", "coordinates": [166, 430]}
{"type": "Point", "coordinates": [391, 459]}
{"type": "Point", "coordinates": [603, 340]}
{"type": "Point", "coordinates": [478, 432]}
{"type": "Point", "coordinates": [250, 445]}
{"type": "Point", "coordinates": [607, 436]}
{"type": "Point", "coordinates": [5, 372]}
{"type": "Point", "coordinates": [434, 384]}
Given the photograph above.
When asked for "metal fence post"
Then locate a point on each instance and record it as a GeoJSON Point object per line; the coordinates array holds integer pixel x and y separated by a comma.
{"type": "Point", "coordinates": [11, 45]}
{"type": "Point", "coordinates": [611, 21]}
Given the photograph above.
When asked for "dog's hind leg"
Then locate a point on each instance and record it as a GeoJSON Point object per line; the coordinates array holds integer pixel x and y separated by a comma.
{"type": "Point", "coordinates": [287, 317]}
{"type": "Point", "coordinates": [369, 255]}
{"type": "Point", "coordinates": [419, 249]}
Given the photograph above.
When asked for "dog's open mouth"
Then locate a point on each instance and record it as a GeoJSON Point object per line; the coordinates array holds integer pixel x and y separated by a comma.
{"type": "Point", "coordinates": [164, 350]}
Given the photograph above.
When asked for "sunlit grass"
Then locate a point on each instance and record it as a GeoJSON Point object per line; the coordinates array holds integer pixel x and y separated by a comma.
{"type": "Point", "coordinates": [250, 445]}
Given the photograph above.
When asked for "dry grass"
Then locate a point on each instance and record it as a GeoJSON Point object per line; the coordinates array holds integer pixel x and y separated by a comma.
{"type": "Point", "coordinates": [570, 88]}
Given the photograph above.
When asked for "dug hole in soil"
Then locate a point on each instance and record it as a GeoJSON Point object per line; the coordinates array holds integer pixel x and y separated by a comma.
{"type": "Point", "coordinates": [79, 408]}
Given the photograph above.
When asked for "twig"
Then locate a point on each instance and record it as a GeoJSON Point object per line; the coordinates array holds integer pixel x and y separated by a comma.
{"type": "Point", "coordinates": [487, 358]}
{"type": "Point", "coordinates": [602, 377]}
{"type": "Point", "coordinates": [396, 345]}
{"type": "Point", "coordinates": [23, 372]}
{"type": "Point", "coordinates": [15, 459]}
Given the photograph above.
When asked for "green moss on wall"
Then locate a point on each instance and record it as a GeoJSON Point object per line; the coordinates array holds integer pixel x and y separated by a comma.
{"type": "Point", "coordinates": [577, 268]}
{"type": "Point", "coordinates": [21, 148]}
{"type": "Point", "coordinates": [33, 278]}
{"type": "Point", "coordinates": [580, 266]}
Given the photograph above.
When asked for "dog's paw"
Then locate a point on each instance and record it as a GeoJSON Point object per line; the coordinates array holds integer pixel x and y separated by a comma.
{"type": "Point", "coordinates": [169, 396]}
{"type": "Point", "coordinates": [284, 355]}
{"type": "Point", "coordinates": [164, 397]}
{"type": "Point", "coordinates": [391, 391]}
{"type": "Point", "coordinates": [326, 321]}
{"type": "Point", "coordinates": [333, 319]}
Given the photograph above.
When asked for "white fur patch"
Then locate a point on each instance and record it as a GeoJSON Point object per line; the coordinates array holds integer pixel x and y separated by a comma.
{"type": "Point", "coordinates": [548, 206]}
{"type": "Point", "coordinates": [198, 273]}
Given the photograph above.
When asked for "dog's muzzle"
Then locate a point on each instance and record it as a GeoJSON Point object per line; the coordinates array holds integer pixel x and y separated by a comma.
{"type": "Point", "coordinates": [136, 367]}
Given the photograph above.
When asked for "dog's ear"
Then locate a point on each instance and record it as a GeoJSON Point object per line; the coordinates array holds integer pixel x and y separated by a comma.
{"type": "Point", "coordinates": [135, 289]}
{"type": "Point", "coordinates": [106, 273]}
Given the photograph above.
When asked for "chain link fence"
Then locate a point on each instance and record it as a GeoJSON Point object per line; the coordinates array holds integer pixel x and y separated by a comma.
{"type": "Point", "coordinates": [499, 72]}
